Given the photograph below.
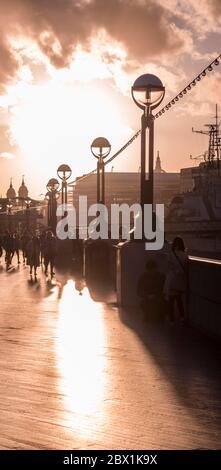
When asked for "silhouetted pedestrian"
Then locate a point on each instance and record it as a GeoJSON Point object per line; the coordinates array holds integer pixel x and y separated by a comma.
{"type": "Point", "coordinates": [33, 254]}
{"type": "Point", "coordinates": [175, 287]}
{"type": "Point", "coordinates": [50, 252]}
{"type": "Point", "coordinates": [8, 243]}
{"type": "Point", "coordinates": [25, 239]}
{"type": "Point", "coordinates": [42, 245]}
{"type": "Point", "coordinates": [16, 246]}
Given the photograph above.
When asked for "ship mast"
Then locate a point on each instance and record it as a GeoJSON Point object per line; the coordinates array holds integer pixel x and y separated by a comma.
{"type": "Point", "coordinates": [213, 155]}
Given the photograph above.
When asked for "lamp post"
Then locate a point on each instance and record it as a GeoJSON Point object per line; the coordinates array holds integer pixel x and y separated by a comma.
{"type": "Point", "coordinates": [9, 210]}
{"type": "Point", "coordinates": [48, 198]}
{"type": "Point", "coordinates": [64, 172]}
{"type": "Point", "coordinates": [27, 203]}
{"type": "Point", "coordinates": [147, 92]}
{"type": "Point", "coordinates": [51, 196]}
{"type": "Point", "coordinates": [100, 148]}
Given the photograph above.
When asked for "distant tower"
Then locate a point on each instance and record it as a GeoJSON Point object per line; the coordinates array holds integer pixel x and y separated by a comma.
{"type": "Point", "coordinates": [23, 190]}
{"type": "Point", "coordinates": [11, 194]}
{"type": "Point", "coordinates": [158, 168]}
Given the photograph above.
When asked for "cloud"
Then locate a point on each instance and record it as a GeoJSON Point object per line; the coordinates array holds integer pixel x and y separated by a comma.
{"type": "Point", "coordinates": [8, 63]}
{"type": "Point", "coordinates": [202, 99]}
{"type": "Point", "coordinates": [202, 16]}
{"type": "Point", "coordinates": [7, 156]}
{"type": "Point", "coordinates": [117, 39]}
{"type": "Point", "coordinates": [215, 7]}
{"type": "Point", "coordinates": [144, 28]}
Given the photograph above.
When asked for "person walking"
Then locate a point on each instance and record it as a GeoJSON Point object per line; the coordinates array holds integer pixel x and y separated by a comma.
{"type": "Point", "coordinates": [42, 245]}
{"type": "Point", "coordinates": [33, 255]}
{"type": "Point", "coordinates": [8, 244]}
{"type": "Point", "coordinates": [25, 239]}
{"type": "Point", "coordinates": [16, 246]}
{"type": "Point", "coordinates": [50, 252]}
{"type": "Point", "coordinates": [175, 287]}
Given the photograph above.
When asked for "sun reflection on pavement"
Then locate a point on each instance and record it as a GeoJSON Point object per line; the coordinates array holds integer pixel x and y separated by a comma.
{"type": "Point", "coordinates": [81, 340]}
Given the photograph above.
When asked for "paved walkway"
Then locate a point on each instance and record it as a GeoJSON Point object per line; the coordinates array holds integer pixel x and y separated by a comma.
{"type": "Point", "coordinates": [78, 373]}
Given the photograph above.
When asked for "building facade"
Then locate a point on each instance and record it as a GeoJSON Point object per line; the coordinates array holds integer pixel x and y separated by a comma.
{"type": "Point", "coordinates": [18, 212]}
{"type": "Point", "coordinates": [124, 187]}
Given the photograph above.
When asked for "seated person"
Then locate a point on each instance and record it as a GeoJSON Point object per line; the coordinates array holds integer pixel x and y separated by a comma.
{"type": "Point", "coordinates": [150, 290]}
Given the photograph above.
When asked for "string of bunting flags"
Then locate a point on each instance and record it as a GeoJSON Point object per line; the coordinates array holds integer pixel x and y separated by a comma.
{"type": "Point", "coordinates": [189, 87]}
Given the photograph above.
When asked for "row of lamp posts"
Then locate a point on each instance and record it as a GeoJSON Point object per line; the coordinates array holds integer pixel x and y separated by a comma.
{"type": "Point", "coordinates": [52, 195]}
{"type": "Point", "coordinates": [147, 92]}
{"type": "Point", "coordinates": [100, 148]}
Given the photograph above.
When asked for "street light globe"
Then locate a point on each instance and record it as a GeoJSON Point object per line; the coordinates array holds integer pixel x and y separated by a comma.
{"type": "Point", "coordinates": [100, 147]}
{"type": "Point", "coordinates": [64, 172]}
{"type": "Point", "coordinates": [53, 185]}
{"type": "Point", "coordinates": [148, 91]}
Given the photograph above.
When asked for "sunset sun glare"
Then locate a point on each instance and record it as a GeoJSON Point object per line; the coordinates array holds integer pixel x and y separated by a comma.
{"type": "Point", "coordinates": [56, 121]}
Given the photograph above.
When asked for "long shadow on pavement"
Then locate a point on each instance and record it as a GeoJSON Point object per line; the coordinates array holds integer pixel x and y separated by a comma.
{"type": "Point", "coordinates": [190, 361]}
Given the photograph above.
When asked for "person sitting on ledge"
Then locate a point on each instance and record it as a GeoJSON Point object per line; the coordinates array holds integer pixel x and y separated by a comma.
{"type": "Point", "coordinates": [150, 290]}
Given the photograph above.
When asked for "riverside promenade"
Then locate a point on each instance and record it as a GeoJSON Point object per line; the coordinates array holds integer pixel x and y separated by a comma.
{"type": "Point", "coordinates": [79, 373]}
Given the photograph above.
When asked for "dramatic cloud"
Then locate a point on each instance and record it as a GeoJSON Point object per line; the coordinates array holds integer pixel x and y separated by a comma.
{"type": "Point", "coordinates": [67, 64]}
{"type": "Point", "coordinates": [8, 63]}
{"type": "Point", "coordinates": [144, 28]}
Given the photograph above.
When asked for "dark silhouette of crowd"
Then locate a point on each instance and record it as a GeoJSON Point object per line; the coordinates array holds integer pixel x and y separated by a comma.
{"type": "Point", "coordinates": [36, 249]}
{"type": "Point", "coordinates": [161, 293]}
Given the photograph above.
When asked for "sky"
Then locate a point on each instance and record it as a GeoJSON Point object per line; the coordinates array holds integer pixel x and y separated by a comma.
{"type": "Point", "coordinates": [66, 71]}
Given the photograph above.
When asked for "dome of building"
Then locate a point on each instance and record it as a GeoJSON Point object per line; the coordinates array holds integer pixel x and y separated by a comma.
{"type": "Point", "coordinates": [23, 190]}
{"type": "Point", "coordinates": [11, 194]}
